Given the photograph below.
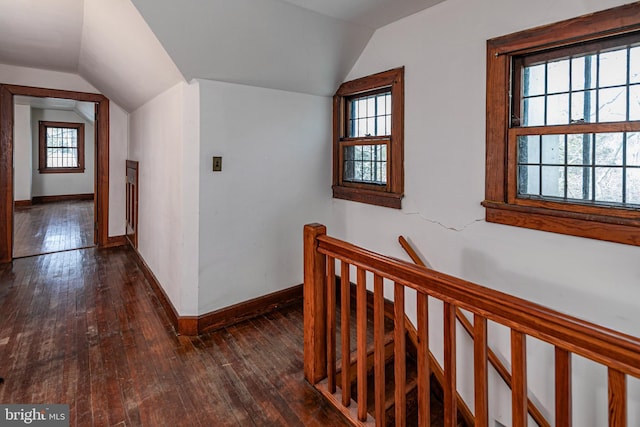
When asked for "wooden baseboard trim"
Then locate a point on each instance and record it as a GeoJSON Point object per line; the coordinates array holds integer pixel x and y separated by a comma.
{"type": "Point", "coordinates": [22, 203]}
{"type": "Point", "coordinates": [163, 299]}
{"type": "Point", "coordinates": [248, 309]}
{"type": "Point", "coordinates": [196, 325]}
{"type": "Point", "coordinates": [61, 198]}
{"type": "Point", "coordinates": [115, 241]}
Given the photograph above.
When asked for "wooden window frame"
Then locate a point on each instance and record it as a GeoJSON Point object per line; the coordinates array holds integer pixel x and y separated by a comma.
{"type": "Point", "coordinates": [389, 195]}
{"type": "Point", "coordinates": [43, 168]}
{"type": "Point", "coordinates": [615, 224]}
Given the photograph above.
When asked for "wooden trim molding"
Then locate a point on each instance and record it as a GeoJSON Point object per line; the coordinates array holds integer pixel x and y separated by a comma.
{"type": "Point", "coordinates": [6, 174]}
{"type": "Point", "coordinates": [7, 93]}
{"type": "Point", "coordinates": [196, 325]}
{"type": "Point", "coordinates": [43, 146]}
{"type": "Point", "coordinates": [22, 203]}
{"type": "Point", "coordinates": [61, 198]}
{"type": "Point", "coordinates": [248, 309]}
{"type": "Point", "coordinates": [162, 297]}
{"type": "Point", "coordinates": [115, 241]}
{"type": "Point", "coordinates": [618, 224]}
{"type": "Point", "coordinates": [390, 194]}
{"type": "Point", "coordinates": [132, 197]}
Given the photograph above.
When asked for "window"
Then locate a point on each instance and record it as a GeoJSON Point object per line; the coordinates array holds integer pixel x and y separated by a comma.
{"type": "Point", "coordinates": [368, 115]}
{"type": "Point", "coordinates": [61, 147]}
{"type": "Point", "coordinates": [563, 127]}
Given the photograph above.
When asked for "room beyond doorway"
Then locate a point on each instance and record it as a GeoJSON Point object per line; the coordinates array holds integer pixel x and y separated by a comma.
{"type": "Point", "coordinates": [7, 93]}
{"type": "Point", "coordinates": [52, 227]}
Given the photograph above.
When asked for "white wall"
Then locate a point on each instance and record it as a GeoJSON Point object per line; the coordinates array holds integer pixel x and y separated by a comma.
{"type": "Point", "coordinates": [216, 239]}
{"type": "Point", "coordinates": [443, 49]}
{"type": "Point", "coordinates": [118, 130]}
{"type": "Point", "coordinates": [157, 141]}
{"type": "Point", "coordinates": [22, 149]}
{"type": "Point", "coordinates": [276, 176]}
{"type": "Point", "coordinates": [58, 184]}
{"type": "Point", "coordinates": [118, 150]}
{"type": "Point", "coordinates": [190, 197]}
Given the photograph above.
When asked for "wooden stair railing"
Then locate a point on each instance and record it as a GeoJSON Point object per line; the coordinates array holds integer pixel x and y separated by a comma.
{"type": "Point", "coordinates": [620, 353]}
{"type": "Point", "coordinates": [502, 371]}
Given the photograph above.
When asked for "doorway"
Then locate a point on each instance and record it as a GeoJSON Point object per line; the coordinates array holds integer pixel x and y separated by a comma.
{"type": "Point", "coordinates": [101, 160]}
{"type": "Point", "coordinates": [53, 175]}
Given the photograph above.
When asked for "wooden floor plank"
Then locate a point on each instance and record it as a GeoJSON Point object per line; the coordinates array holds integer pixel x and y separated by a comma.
{"type": "Point", "coordinates": [83, 328]}
{"type": "Point", "coordinates": [52, 227]}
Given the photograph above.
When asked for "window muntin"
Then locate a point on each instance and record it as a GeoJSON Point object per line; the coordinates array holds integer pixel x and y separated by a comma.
{"type": "Point", "coordinates": [597, 168]}
{"type": "Point", "coordinates": [595, 85]}
{"type": "Point", "coordinates": [61, 147]}
{"type": "Point", "coordinates": [368, 139]}
{"type": "Point", "coordinates": [365, 164]}
{"type": "Point", "coordinates": [369, 115]}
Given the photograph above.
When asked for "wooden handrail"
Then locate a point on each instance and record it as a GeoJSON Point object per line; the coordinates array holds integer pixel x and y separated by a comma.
{"type": "Point", "coordinates": [600, 344]}
{"type": "Point", "coordinates": [468, 327]}
{"type": "Point", "coordinates": [619, 352]}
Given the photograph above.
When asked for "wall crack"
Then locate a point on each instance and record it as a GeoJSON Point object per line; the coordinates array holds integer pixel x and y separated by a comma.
{"type": "Point", "coordinates": [446, 227]}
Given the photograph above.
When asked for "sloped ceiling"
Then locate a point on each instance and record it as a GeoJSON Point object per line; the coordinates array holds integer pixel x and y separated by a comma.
{"type": "Point", "coordinates": [297, 45]}
{"type": "Point", "coordinates": [121, 56]}
{"type": "Point", "coordinates": [266, 43]}
{"type": "Point", "coordinates": [107, 43]}
{"type": "Point", "coordinates": [370, 13]}
{"type": "Point", "coordinates": [133, 50]}
{"type": "Point", "coordinates": [41, 34]}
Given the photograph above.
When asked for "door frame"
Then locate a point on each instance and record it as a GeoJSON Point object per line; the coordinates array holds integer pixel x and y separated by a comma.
{"type": "Point", "coordinates": [101, 190]}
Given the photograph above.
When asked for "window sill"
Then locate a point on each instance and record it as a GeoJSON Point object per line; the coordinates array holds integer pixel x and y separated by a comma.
{"type": "Point", "coordinates": [61, 170]}
{"type": "Point", "coordinates": [601, 227]}
{"type": "Point", "coordinates": [371, 197]}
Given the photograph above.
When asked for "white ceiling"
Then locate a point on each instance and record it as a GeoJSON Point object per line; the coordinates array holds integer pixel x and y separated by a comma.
{"type": "Point", "coordinates": [105, 42]}
{"type": "Point", "coordinates": [371, 13]}
{"type": "Point", "coordinates": [40, 33]}
{"type": "Point", "coordinates": [266, 43]}
{"type": "Point", "coordinates": [133, 50]}
{"type": "Point", "coordinates": [297, 45]}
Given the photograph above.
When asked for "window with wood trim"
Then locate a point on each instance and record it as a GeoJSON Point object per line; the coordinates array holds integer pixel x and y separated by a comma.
{"type": "Point", "coordinates": [563, 127]}
{"type": "Point", "coordinates": [61, 147]}
{"type": "Point", "coordinates": [368, 152]}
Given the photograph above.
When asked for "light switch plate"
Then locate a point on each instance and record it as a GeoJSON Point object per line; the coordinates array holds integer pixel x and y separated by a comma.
{"type": "Point", "coordinates": [217, 164]}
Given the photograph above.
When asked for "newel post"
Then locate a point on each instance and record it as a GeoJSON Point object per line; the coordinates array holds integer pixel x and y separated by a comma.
{"type": "Point", "coordinates": [315, 296]}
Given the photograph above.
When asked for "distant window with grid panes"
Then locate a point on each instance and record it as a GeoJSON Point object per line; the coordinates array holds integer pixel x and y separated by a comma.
{"type": "Point", "coordinates": [61, 147]}
{"type": "Point", "coordinates": [563, 127]}
{"type": "Point", "coordinates": [368, 139]}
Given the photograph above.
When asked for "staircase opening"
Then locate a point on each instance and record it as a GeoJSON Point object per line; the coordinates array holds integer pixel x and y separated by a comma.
{"type": "Point", "coordinates": [330, 364]}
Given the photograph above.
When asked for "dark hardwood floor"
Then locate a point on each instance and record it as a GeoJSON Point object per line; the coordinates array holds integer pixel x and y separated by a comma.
{"type": "Point", "coordinates": [52, 227]}
{"type": "Point", "coordinates": [83, 328]}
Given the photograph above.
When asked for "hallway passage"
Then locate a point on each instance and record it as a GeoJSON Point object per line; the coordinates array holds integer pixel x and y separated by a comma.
{"type": "Point", "coordinates": [52, 227]}
{"type": "Point", "coordinates": [83, 328]}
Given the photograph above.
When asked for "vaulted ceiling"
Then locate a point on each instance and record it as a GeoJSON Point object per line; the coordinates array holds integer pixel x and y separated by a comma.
{"type": "Point", "coordinates": [298, 45]}
{"type": "Point", "coordinates": [105, 42]}
{"type": "Point", "coordinates": [133, 50]}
